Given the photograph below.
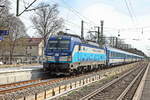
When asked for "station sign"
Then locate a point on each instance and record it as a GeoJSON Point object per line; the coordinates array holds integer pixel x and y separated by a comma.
{"type": "Point", "coordinates": [1, 38]}
{"type": "Point", "coordinates": [4, 32]}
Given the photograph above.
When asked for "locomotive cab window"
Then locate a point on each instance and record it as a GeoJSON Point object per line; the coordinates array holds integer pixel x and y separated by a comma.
{"type": "Point", "coordinates": [52, 44]}
{"type": "Point", "coordinates": [63, 44]}
{"type": "Point", "coordinates": [58, 44]}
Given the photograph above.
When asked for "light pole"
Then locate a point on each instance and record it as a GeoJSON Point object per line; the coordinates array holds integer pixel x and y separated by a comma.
{"type": "Point", "coordinates": [2, 6]}
{"type": "Point", "coordinates": [117, 39]}
{"type": "Point", "coordinates": [67, 30]}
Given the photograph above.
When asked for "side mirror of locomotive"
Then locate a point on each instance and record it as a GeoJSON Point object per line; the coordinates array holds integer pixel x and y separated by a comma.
{"type": "Point", "coordinates": [79, 47]}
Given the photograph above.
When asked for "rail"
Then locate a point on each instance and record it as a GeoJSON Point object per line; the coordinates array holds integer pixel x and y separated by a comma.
{"type": "Point", "coordinates": [99, 90]}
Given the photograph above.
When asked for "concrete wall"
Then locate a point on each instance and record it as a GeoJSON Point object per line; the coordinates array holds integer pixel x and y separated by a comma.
{"type": "Point", "coordinates": [19, 75]}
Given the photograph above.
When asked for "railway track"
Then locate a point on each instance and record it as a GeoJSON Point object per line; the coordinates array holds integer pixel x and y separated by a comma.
{"type": "Point", "coordinates": [31, 86]}
{"type": "Point", "coordinates": [122, 88]}
{"type": "Point", "coordinates": [8, 88]}
{"type": "Point", "coordinates": [13, 87]}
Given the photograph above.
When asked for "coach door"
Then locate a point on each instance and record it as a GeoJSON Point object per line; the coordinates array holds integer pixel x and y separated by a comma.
{"type": "Point", "coordinates": [107, 56]}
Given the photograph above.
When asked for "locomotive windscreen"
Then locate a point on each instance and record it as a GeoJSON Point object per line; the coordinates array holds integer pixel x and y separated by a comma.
{"type": "Point", "coordinates": [58, 44]}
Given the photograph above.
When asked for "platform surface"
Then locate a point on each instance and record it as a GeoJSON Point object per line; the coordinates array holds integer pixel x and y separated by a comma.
{"type": "Point", "coordinates": [21, 68]}
{"type": "Point", "coordinates": [146, 89]}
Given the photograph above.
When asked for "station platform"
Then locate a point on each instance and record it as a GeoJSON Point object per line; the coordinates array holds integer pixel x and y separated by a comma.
{"type": "Point", "coordinates": [21, 68]}
{"type": "Point", "coordinates": [22, 73]}
{"type": "Point", "coordinates": [143, 91]}
{"type": "Point", "coordinates": [146, 89]}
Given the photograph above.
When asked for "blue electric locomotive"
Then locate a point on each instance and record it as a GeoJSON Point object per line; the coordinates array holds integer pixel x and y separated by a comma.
{"type": "Point", "coordinates": [70, 54]}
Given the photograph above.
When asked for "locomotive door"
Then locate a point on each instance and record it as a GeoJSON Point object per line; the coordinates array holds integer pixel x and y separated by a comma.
{"type": "Point", "coordinates": [79, 55]}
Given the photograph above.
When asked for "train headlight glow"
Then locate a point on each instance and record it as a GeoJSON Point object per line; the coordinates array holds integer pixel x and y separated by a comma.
{"type": "Point", "coordinates": [65, 58]}
{"type": "Point", "coordinates": [50, 58]}
{"type": "Point", "coordinates": [69, 58]}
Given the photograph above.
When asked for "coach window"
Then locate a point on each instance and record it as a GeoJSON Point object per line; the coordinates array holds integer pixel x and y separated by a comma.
{"type": "Point", "coordinates": [111, 54]}
{"type": "Point", "coordinates": [119, 54]}
{"type": "Point", "coordinates": [115, 55]}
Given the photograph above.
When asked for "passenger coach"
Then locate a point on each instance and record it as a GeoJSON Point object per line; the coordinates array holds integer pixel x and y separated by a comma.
{"type": "Point", "coordinates": [117, 56]}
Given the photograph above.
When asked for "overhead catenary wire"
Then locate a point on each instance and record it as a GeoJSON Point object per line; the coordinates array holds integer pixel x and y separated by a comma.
{"type": "Point", "coordinates": [130, 13]}
{"type": "Point", "coordinates": [91, 23]}
{"type": "Point", "coordinates": [78, 12]}
{"type": "Point", "coordinates": [130, 4]}
{"type": "Point", "coordinates": [17, 9]}
{"type": "Point", "coordinates": [75, 12]}
{"type": "Point", "coordinates": [75, 25]}
{"type": "Point", "coordinates": [82, 17]}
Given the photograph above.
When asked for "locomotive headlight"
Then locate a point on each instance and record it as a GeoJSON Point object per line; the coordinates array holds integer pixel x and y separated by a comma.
{"type": "Point", "coordinates": [65, 58]}
{"type": "Point", "coordinates": [50, 58]}
{"type": "Point", "coordinates": [69, 58]}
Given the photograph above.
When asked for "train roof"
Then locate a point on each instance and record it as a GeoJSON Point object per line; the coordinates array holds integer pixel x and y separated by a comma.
{"type": "Point", "coordinates": [74, 38]}
{"type": "Point", "coordinates": [67, 34]}
{"type": "Point", "coordinates": [121, 51]}
{"type": "Point", "coordinates": [62, 35]}
{"type": "Point", "coordinates": [92, 43]}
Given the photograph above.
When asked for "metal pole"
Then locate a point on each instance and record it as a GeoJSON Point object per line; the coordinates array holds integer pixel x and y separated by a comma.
{"type": "Point", "coordinates": [17, 8]}
{"type": "Point", "coordinates": [113, 41]}
{"type": "Point", "coordinates": [116, 42]}
{"type": "Point", "coordinates": [102, 24]}
{"type": "Point", "coordinates": [82, 30]}
{"type": "Point", "coordinates": [2, 6]}
{"type": "Point", "coordinates": [98, 40]}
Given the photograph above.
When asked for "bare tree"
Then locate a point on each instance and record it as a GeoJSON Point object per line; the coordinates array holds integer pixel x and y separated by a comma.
{"type": "Point", "coordinates": [4, 7]}
{"type": "Point", "coordinates": [14, 25]}
{"type": "Point", "coordinates": [46, 21]}
{"type": "Point", "coordinates": [16, 30]}
{"type": "Point", "coordinates": [4, 11]}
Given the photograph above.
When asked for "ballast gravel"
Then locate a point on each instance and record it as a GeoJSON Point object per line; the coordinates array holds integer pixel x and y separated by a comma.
{"type": "Point", "coordinates": [75, 95]}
